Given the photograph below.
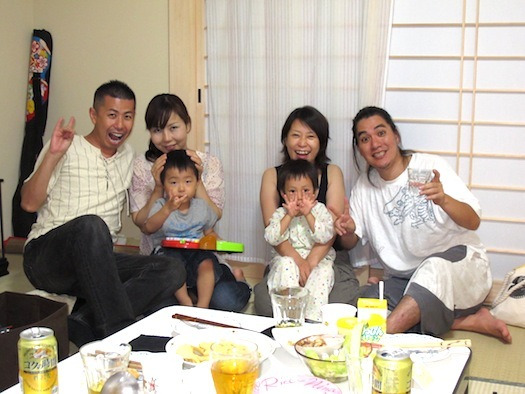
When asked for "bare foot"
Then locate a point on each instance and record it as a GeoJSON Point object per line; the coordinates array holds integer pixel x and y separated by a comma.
{"type": "Point", "coordinates": [238, 274]}
{"type": "Point", "coordinates": [373, 280]}
{"type": "Point", "coordinates": [483, 322]}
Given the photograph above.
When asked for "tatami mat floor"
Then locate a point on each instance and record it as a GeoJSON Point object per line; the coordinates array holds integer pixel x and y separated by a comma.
{"type": "Point", "coordinates": [495, 362]}
{"type": "Point", "coordinates": [16, 280]}
{"type": "Point", "coordinates": [488, 387]}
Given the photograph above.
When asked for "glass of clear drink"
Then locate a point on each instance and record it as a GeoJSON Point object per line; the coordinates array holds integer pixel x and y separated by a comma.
{"type": "Point", "coordinates": [418, 177]}
{"type": "Point", "coordinates": [289, 305]}
{"type": "Point", "coordinates": [102, 360]}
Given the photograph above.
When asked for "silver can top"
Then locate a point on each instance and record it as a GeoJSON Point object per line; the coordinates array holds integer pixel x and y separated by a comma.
{"type": "Point", "coordinates": [393, 354]}
{"type": "Point", "coordinates": [36, 333]}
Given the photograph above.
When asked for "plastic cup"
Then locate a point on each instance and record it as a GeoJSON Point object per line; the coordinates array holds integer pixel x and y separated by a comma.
{"type": "Point", "coordinates": [101, 360]}
{"type": "Point", "coordinates": [331, 313]}
{"type": "Point", "coordinates": [289, 305]}
{"type": "Point", "coordinates": [359, 371]}
{"type": "Point", "coordinates": [234, 366]}
{"type": "Point", "coordinates": [418, 177]}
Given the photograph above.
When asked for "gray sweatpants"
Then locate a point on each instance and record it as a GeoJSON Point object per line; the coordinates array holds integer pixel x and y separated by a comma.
{"type": "Point", "coordinates": [445, 286]}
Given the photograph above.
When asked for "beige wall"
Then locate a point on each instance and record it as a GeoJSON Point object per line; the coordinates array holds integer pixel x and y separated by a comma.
{"type": "Point", "coordinates": [93, 41]}
{"type": "Point", "coordinates": [16, 20]}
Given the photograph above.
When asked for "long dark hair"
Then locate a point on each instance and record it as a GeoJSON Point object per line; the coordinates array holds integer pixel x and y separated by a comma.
{"type": "Point", "coordinates": [159, 110]}
{"type": "Point", "coordinates": [366, 113]}
{"type": "Point", "coordinates": [317, 122]}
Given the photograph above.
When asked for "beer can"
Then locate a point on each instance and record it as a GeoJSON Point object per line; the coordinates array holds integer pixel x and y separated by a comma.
{"type": "Point", "coordinates": [37, 361]}
{"type": "Point", "coordinates": [392, 372]}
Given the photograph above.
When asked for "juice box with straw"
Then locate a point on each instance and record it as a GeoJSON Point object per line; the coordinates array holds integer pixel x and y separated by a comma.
{"type": "Point", "coordinates": [373, 312]}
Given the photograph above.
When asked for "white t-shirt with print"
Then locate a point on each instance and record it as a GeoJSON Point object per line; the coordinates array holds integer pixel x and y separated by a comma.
{"type": "Point", "coordinates": [403, 228]}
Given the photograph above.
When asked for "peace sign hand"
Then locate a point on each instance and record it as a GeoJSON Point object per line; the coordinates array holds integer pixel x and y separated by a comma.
{"type": "Point", "coordinates": [62, 137]}
{"type": "Point", "coordinates": [343, 223]}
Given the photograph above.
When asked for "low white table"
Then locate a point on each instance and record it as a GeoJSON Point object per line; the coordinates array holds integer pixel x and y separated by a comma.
{"type": "Point", "coordinates": [444, 376]}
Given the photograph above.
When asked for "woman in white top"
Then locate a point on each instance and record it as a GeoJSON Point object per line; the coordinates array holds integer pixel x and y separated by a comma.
{"type": "Point", "coordinates": [437, 271]}
{"type": "Point", "coordinates": [169, 123]}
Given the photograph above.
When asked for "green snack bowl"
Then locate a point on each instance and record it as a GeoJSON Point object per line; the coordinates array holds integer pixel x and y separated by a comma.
{"type": "Point", "coordinates": [324, 356]}
{"type": "Point", "coordinates": [231, 247]}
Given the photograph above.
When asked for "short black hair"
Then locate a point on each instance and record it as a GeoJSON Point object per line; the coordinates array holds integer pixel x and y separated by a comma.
{"type": "Point", "coordinates": [180, 160]}
{"type": "Point", "coordinates": [115, 89]}
{"type": "Point", "coordinates": [295, 169]}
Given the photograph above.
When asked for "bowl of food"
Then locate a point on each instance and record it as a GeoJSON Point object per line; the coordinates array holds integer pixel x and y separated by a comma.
{"type": "Point", "coordinates": [194, 347]}
{"type": "Point", "coordinates": [324, 356]}
{"type": "Point", "coordinates": [288, 336]}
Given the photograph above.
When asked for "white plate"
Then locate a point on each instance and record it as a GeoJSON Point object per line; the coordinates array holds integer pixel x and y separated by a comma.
{"type": "Point", "coordinates": [421, 354]}
{"type": "Point", "coordinates": [266, 346]}
{"type": "Point", "coordinates": [294, 384]}
{"type": "Point", "coordinates": [288, 336]}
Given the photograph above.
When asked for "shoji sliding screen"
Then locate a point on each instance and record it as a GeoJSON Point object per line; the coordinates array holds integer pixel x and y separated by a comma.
{"type": "Point", "coordinates": [456, 88]}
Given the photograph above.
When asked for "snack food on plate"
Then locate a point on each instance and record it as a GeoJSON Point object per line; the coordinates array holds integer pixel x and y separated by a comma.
{"type": "Point", "coordinates": [199, 353]}
{"type": "Point", "coordinates": [195, 354]}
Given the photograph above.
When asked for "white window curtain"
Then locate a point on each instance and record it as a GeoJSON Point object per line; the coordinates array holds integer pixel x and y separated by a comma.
{"type": "Point", "coordinates": [268, 57]}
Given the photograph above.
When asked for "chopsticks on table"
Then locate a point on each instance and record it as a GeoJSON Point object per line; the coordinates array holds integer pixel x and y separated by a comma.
{"type": "Point", "coordinates": [438, 344]}
{"type": "Point", "coordinates": [446, 344]}
{"type": "Point", "coordinates": [203, 321]}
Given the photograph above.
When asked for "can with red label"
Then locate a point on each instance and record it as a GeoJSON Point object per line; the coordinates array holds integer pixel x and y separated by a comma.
{"type": "Point", "coordinates": [37, 361]}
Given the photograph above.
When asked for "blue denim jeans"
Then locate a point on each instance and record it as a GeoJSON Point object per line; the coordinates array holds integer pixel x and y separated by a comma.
{"type": "Point", "coordinates": [229, 294]}
{"type": "Point", "coordinates": [77, 258]}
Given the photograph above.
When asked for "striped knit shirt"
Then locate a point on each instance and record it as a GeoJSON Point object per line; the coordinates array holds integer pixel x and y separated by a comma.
{"type": "Point", "coordinates": [85, 182]}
